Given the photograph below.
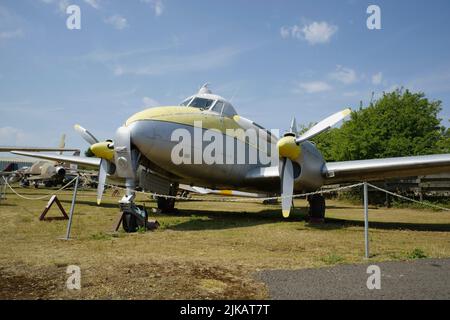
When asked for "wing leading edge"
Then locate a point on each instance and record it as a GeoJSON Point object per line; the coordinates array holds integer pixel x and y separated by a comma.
{"type": "Point", "coordinates": [94, 162]}
{"type": "Point", "coordinates": [379, 169]}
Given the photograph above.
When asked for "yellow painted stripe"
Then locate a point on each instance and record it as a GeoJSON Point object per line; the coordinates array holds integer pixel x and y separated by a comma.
{"type": "Point", "coordinates": [187, 116]}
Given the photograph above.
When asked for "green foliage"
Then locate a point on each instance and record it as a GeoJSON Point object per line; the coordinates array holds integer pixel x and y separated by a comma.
{"type": "Point", "coordinates": [417, 254]}
{"type": "Point", "coordinates": [101, 236]}
{"type": "Point", "coordinates": [141, 229]}
{"type": "Point", "coordinates": [401, 123]}
{"type": "Point", "coordinates": [332, 259]}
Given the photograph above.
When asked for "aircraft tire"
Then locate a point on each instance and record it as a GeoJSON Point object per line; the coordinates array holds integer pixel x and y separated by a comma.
{"type": "Point", "coordinates": [129, 222]}
{"type": "Point", "coordinates": [316, 207]}
{"type": "Point", "coordinates": [165, 204]}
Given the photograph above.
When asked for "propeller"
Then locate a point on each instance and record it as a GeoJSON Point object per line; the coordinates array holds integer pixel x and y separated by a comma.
{"type": "Point", "coordinates": [102, 150]}
{"type": "Point", "coordinates": [289, 151]}
{"type": "Point", "coordinates": [287, 186]}
{"type": "Point", "coordinates": [86, 135]}
{"type": "Point", "coordinates": [102, 173]}
{"type": "Point", "coordinates": [323, 125]}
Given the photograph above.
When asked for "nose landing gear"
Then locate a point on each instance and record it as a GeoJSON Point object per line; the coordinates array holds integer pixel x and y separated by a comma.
{"type": "Point", "coordinates": [135, 217]}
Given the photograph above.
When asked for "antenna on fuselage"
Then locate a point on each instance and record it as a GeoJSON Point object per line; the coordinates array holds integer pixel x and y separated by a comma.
{"type": "Point", "coordinates": [204, 89]}
{"type": "Point", "coordinates": [235, 94]}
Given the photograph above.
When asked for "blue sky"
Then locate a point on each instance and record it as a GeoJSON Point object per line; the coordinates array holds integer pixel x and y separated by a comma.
{"type": "Point", "coordinates": [277, 59]}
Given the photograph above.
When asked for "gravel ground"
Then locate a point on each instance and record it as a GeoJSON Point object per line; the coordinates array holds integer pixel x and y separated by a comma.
{"type": "Point", "coordinates": [418, 279]}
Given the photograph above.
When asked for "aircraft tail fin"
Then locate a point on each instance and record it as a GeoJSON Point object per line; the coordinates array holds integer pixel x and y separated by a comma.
{"type": "Point", "coordinates": [62, 142]}
{"type": "Point", "coordinates": [11, 167]}
{"type": "Point", "coordinates": [74, 166]}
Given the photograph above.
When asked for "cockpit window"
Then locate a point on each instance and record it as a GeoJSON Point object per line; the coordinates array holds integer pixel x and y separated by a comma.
{"type": "Point", "coordinates": [228, 110]}
{"type": "Point", "coordinates": [186, 102]}
{"type": "Point", "coordinates": [218, 107]}
{"type": "Point", "coordinates": [201, 103]}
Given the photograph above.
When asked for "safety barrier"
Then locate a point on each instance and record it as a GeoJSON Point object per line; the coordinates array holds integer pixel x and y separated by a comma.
{"type": "Point", "coordinates": [238, 199]}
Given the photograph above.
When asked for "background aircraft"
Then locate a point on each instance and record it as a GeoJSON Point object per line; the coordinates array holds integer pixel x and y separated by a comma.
{"type": "Point", "coordinates": [141, 156]}
{"type": "Point", "coordinates": [51, 173]}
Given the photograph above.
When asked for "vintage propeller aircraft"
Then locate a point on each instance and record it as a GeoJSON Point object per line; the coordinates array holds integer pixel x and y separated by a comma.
{"type": "Point", "coordinates": [51, 173]}
{"type": "Point", "coordinates": [142, 155]}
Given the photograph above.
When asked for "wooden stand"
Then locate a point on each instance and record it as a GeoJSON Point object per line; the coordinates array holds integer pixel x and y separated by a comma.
{"type": "Point", "coordinates": [52, 200]}
{"type": "Point", "coordinates": [119, 221]}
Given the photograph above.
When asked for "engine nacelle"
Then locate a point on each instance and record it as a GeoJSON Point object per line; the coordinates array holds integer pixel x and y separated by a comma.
{"type": "Point", "coordinates": [310, 163]}
{"type": "Point", "coordinates": [60, 171]}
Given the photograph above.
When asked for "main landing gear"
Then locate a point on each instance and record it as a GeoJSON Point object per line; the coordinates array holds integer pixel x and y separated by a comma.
{"type": "Point", "coordinates": [316, 208]}
{"type": "Point", "coordinates": [167, 205]}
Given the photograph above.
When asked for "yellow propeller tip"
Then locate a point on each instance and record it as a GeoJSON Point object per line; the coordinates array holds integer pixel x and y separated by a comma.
{"type": "Point", "coordinates": [99, 202]}
{"type": "Point", "coordinates": [286, 213]}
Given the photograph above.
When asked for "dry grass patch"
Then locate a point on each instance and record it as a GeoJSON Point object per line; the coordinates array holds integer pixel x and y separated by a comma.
{"type": "Point", "coordinates": [206, 250]}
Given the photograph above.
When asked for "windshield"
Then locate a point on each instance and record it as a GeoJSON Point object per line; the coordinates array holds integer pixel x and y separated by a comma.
{"type": "Point", "coordinates": [186, 102]}
{"type": "Point", "coordinates": [201, 103]}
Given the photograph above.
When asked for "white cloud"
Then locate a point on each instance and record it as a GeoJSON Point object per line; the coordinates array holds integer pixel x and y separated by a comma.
{"type": "Point", "coordinates": [5, 35]}
{"type": "Point", "coordinates": [149, 102]}
{"type": "Point", "coordinates": [285, 32]}
{"type": "Point", "coordinates": [377, 79]}
{"type": "Point", "coordinates": [313, 33]}
{"type": "Point", "coordinates": [319, 32]}
{"type": "Point", "coordinates": [117, 22]}
{"type": "Point", "coordinates": [63, 4]}
{"type": "Point", "coordinates": [313, 87]}
{"type": "Point", "coordinates": [93, 3]}
{"type": "Point", "coordinates": [344, 75]}
{"type": "Point", "coordinates": [157, 6]}
{"type": "Point", "coordinates": [60, 4]}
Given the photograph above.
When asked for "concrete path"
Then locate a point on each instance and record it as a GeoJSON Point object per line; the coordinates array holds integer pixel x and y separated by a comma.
{"type": "Point", "coordinates": [419, 279]}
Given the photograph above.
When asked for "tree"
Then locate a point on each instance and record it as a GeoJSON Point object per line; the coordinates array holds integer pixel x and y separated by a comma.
{"type": "Point", "coordinates": [401, 123]}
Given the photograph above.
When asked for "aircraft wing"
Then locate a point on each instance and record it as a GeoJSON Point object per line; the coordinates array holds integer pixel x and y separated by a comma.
{"type": "Point", "coordinates": [39, 177]}
{"type": "Point", "coordinates": [94, 162]}
{"type": "Point", "coordinates": [32, 149]}
{"type": "Point", "coordinates": [380, 169]}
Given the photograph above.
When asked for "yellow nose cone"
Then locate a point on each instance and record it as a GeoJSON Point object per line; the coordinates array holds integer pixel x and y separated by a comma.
{"type": "Point", "coordinates": [287, 148]}
{"type": "Point", "coordinates": [101, 150]}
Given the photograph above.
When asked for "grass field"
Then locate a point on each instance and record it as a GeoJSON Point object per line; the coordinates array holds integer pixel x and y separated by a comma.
{"type": "Point", "coordinates": [206, 250]}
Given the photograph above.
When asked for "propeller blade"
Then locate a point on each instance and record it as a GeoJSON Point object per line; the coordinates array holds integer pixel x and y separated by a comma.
{"type": "Point", "coordinates": [101, 180]}
{"type": "Point", "coordinates": [85, 134]}
{"type": "Point", "coordinates": [287, 186]}
{"type": "Point", "coordinates": [323, 125]}
{"type": "Point", "coordinates": [294, 126]}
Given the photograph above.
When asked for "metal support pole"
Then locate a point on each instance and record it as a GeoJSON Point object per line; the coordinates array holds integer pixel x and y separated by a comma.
{"type": "Point", "coordinates": [366, 220]}
{"type": "Point", "coordinates": [2, 189]}
{"type": "Point", "coordinates": [72, 207]}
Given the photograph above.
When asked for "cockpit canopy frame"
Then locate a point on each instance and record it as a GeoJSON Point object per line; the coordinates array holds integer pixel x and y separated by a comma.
{"type": "Point", "coordinates": [212, 103]}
